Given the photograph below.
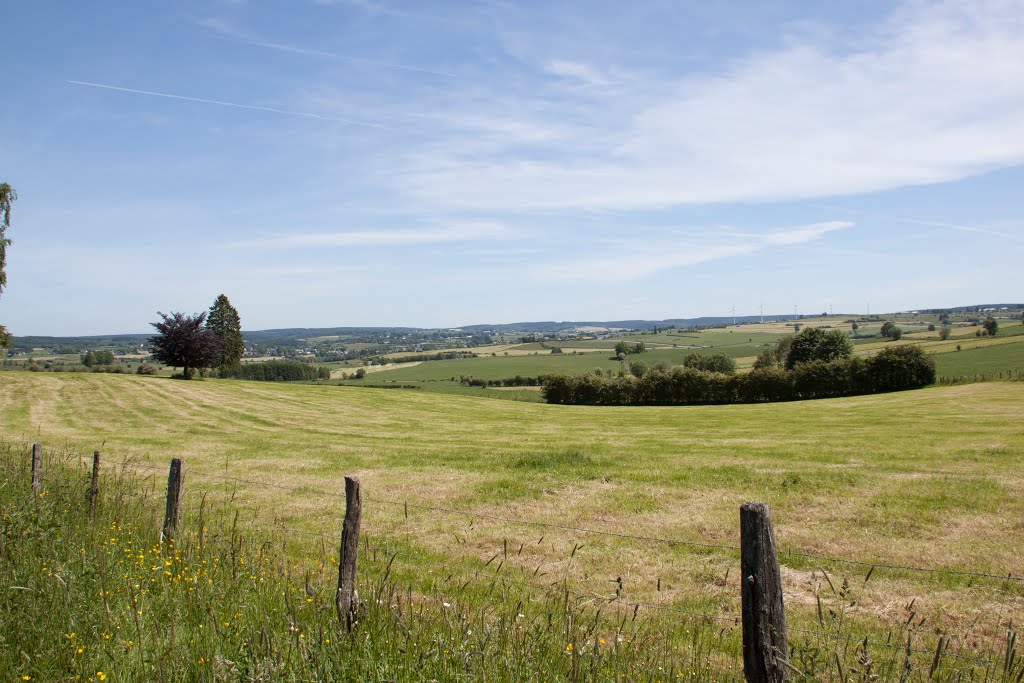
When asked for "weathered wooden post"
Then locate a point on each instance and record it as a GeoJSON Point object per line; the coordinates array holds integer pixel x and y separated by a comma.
{"type": "Point", "coordinates": [765, 644]}
{"type": "Point", "coordinates": [37, 468]}
{"type": "Point", "coordinates": [94, 489]}
{"type": "Point", "coordinates": [175, 479]}
{"type": "Point", "coordinates": [346, 599]}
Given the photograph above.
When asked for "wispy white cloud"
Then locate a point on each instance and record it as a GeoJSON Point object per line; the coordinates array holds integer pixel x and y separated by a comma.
{"type": "Point", "coordinates": [387, 237]}
{"type": "Point", "coordinates": [640, 262]}
{"type": "Point", "coordinates": [578, 71]}
{"type": "Point", "coordinates": [805, 234]}
{"type": "Point", "coordinates": [227, 30]}
{"type": "Point", "coordinates": [934, 94]}
{"type": "Point", "coordinates": [946, 225]}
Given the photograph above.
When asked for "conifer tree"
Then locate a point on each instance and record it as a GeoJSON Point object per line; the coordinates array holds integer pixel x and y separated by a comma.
{"type": "Point", "coordinates": [225, 324]}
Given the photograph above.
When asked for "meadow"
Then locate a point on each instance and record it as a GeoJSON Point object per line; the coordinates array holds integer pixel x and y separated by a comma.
{"type": "Point", "coordinates": [928, 478]}
{"type": "Point", "coordinates": [977, 356]}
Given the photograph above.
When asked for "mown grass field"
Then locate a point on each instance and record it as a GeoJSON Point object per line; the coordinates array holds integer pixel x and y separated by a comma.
{"type": "Point", "coordinates": [929, 478]}
{"type": "Point", "coordinates": [981, 360]}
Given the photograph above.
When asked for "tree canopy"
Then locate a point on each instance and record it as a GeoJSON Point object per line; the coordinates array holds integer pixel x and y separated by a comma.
{"type": "Point", "coordinates": [7, 198]}
{"type": "Point", "coordinates": [184, 342]}
{"type": "Point", "coordinates": [814, 343]}
{"type": "Point", "coordinates": [715, 362]}
{"type": "Point", "coordinates": [226, 325]}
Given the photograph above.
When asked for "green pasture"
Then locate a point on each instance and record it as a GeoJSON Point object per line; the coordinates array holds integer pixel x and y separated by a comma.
{"type": "Point", "coordinates": [982, 360]}
{"type": "Point", "coordinates": [898, 478]}
{"type": "Point", "coordinates": [901, 479]}
{"type": "Point", "coordinates": [500, 366]}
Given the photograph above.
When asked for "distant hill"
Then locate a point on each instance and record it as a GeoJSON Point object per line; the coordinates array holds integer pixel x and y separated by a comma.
{"type": "Point", "coordinates": [552, 327]}
{"type": "Point", "coordinates": [290, 335]}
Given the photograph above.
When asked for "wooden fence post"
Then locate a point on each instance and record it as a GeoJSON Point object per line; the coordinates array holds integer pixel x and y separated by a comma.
{"type": "Point", "coordinates": [765, 645]}
{"type": "Point", "coordinates": [94, 489]}
{"type": "Point", "coordinates": [346, 599]}
{"type": "Point", "coordinates": [37, 468]}
{"type": "Point", "coordinates": [175, 480]}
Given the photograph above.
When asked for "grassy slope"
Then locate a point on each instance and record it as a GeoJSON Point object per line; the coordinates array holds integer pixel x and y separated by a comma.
{"type": "Point", "coordinates": [928, 477]}
{"type": "Point", "coordinates": [981, 360]}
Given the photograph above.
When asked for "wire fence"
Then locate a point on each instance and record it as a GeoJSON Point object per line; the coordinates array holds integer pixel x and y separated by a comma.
{"type": "Point", "coordinates": [482, 574]}
{"type": "Point", "coordinates": [406, 505]}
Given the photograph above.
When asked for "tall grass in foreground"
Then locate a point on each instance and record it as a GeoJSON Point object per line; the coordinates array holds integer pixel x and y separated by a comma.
{"type": "Point", "coordinates": [104, 599]}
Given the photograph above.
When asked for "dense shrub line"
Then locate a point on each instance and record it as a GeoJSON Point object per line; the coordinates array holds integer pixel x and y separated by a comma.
{"type": "Point", "coordinates": [517, 381]}
{"type": "Point", "coordinates": [275, 371]}
{"type": "Point", "coordinates": [421, 357]}
{"type": "Point", "coordinates": [893, 369]}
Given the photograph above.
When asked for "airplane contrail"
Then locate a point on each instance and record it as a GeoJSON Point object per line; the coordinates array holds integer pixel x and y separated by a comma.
{"type": "Point", "coordinates": [236, 105]}
{"type": "Point", "coordinates": [933, 224]}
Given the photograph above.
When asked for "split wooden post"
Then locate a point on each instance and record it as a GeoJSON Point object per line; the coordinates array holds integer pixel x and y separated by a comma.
{"type": "Point", "coordinates": [37, 468]}
{"type": "Point", "coordinates": [94, 489]}
{"type": "Point", "coordinates": [765, 644]}
{"type": "Point", "coordinates": [175, 480]}
{"type": "Point", "coordinates": [346, 599]}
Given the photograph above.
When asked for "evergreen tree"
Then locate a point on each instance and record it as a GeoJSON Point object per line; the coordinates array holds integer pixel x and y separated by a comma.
{"type": "Point", "coordinates": [225, 324]}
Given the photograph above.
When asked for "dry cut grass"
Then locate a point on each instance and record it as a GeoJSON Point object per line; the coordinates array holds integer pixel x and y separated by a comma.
{"type": "Point", "coordinates": [930, 478]}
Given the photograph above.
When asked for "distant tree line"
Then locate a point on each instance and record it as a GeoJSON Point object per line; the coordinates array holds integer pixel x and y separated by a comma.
{"type": "Point", "coordinates": [275, 371]}
{"type": "Point", "coordinates": [517, 381]}
{"type": "Point", "coordinates": [893, 369]}
{"type": "Point", "coordinates": [442, 355]}
{"type": "Point", "coordinates": [812, 364]}
{"type": "Point", "coordinates": [95, 358]}
{"type": "Point", "coordinates": [624, 347]}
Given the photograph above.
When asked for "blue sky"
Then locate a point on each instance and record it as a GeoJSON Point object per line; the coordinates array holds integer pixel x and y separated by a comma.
{"type": "Point", "coordinates": [445, 163]}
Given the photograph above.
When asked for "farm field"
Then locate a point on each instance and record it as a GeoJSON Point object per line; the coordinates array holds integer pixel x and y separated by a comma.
{"type": "Point", "coordinates": [988, 354]}
{"type": "Point", "coordinates": [928, 478]}
{"type": "Point", "coordinates": [982, 360]}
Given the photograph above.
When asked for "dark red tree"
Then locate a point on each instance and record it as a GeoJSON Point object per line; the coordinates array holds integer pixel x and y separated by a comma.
{"type": "Point", "coordinates": [185, 342]}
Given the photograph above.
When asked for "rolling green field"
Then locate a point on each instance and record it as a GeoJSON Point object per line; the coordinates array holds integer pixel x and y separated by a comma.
{"type": "Point", "coordinates": [980, 355]}
{"type": "Point", "coordinates": [985, 360]}
{"type": "Point", "coordinates": [928, 478]}
{"type": "Point", "coordinates": [897, 478]}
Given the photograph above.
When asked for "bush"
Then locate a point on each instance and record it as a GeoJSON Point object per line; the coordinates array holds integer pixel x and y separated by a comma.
{"type": "Point", "coordinates": [815, 343]}
{"type": "Point", "coordinates": [277, 371]}
{"type": "Point", "coordinates": [716, 362]}
{"type": "Point", "coordinates": [638, 368]}
{"type": "Point", "coordinates": [766, 384]}
{"type": "Point", "coordinates": [900, 367]}
{"type": "Point", "coordinates": [895, 368]}
{"type": "Point", "coordinates": [145, 369]}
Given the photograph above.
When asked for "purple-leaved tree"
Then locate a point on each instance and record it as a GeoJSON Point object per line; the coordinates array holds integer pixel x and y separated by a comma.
{"type": "Point", "coordinates": [185, 342]}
